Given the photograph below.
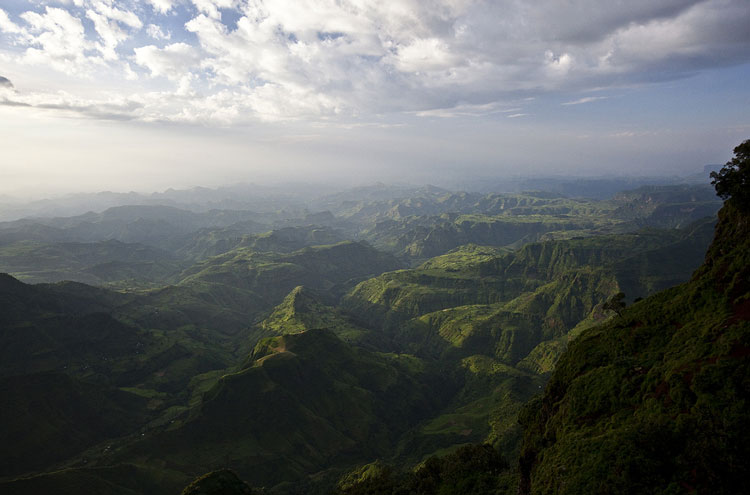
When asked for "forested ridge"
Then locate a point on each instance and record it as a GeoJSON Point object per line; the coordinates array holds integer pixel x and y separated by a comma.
{"type": "Point", "coordinates": [384, 346]}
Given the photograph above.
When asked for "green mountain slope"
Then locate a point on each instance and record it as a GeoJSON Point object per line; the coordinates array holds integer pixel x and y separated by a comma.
{"type": "Point", "coordinates": [220, 300]}
{"type": "Point", "coordinates": [559, 282]}
{"type": "Point", "coordinates": [237, 287]}
{"type": "Point", "coordinates": [470, 470]}
{"type": "Point", "coordinates": [91, 334]}
{"type": "Point", "coordinates": [434, 222]}
{"type": "Point", "coordinates": [292, 358]}
{"type": "Point", "coordinates": [154, 225]}
{"type": "Point", "coordinates": [48, 417]}
{"type": "Point", "coordinates": [270, 274]}
{"type": "Point", "coordinates": [73, 374]}
{"type": "Point", "coordinates": [657, 400]}
{"type": "Point", "coordinates": [303, 310]}
{"type": "Point", "coordinates": [42, 329]}
{"type": "Point", "coordinates": [223, 482]}
{"type": "Point", "coordinates": [212, 242]}
{"type": "Point", "coordinates": [424, 237]}
{"type": "Point", "coordinates": [97, 263]}
{"type": "Point", "coordinates": [121, 479]}
{"type": "Point", "coordinates": [666, 206]}
{"type": "Point", "coordinates": [502, 320]}
{"type": "Point", "coordinates": [303, 403]}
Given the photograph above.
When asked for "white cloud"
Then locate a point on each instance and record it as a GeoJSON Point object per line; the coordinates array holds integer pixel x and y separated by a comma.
{"type": "Point", "coordinates": [465, 110]}
{"type": "Point", "coordinates": [272, 102]}
{"type": "Point", "coordinates": [558, 64]}
{"type": "Point", "coordinates": [57, 39]}
{"type": "Point", "coordinates": [156, 32]}
{"type": "Point", "coordinates": [107, 8]}
{"type": "Point", "coordinates": [109, 32]}
{"type": "Point", "coordinates": [111, 25]}
{"type": "Point", "coordinates": [290, 59]}
{"type": "Point", "coordinates": [426, 55]}
{"type": "Point", "coordinates": [211, 7]}
{"type": "Point", "coordinates": [162, 6]}
{"type": "Point", "coordinates": [173, 61]}
{"type": "Point", "coordinates": [130, 74]}
{"type": "Point", "coordinates": [7, 25]}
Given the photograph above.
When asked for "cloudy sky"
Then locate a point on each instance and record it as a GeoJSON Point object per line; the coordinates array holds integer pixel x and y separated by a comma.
{"type": "Point", "coordinates": [144, 95]}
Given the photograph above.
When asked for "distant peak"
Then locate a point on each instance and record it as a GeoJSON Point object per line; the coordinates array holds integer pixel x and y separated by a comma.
{"type": "Point", "coordinates": [299, 299]}
{"type": "Point", "coordinates": [222, 482]}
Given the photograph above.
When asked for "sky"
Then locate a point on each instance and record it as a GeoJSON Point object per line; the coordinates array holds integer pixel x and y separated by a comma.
{"type": "Point", "coordinates": [144, 95]}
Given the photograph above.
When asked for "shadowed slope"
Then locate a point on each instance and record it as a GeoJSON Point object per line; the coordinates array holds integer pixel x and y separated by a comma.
{"type": "Point", "coordinates": [657, 400]}
{"type": "Point", "coordinates": [303, 402]}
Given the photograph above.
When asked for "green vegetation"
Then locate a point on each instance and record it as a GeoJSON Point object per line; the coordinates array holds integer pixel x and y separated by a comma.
{"type": "Point", "coordinates": [470, 470]}
{"type": "Point", "coordinates": [61, 416]}
{"type": "Point", "coordinates": [656, 400]}
{"type": "Point", "coordinates": [302, 310]}
{"type": "Point", "coordinates": [106, 263]}
{"type": "Point", "coordinates": [615, 303]}
{"type": "Point", "coordinates": [732, 182]}
{"type": "Point", "coordinates": [666, 206]}
{"type": "Point", "coordinates": [294, 348]}
{"type": "Point", "coordinates": [547, 288]}
{"type": "Point", "coordinates": [503, 320]}
{"type": "Point", "coordinates": [120, 479]}
{"type": "Point", "coordinates": [212, 242]}
{"type": "Point", "coordinates": [300, 400]}
{"type": "Point", "coordinates": [223, 482]}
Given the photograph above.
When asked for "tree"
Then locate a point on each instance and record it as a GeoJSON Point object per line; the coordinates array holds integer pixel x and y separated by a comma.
{"type": "Point", "coordinates": [615, 303]}
{"type": "Point", "coordinates": [732, 182]}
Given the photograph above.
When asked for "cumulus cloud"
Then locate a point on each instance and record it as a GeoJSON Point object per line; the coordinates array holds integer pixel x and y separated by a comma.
{"type": "Point", "coordinates": [109, 32]}
{"type": "Point", "coordinates": [5, 83]}
{"type": "Point", "coordinates": [156, 32]}
{"type": "Point", "coordinates": [436, 55]}
{"type": "Point", "coordinates": [162, 6]}
{"type": "Point", "coordinates": [111, 24]}
{"type": "Point", "coordinates": [109, 10]}
{"type": "Point", "coordinates": [287, 59]}
{"type": "Point", "coordinates": [211, 7]}
{"type": "Point", "coordinates": [173, 61]}
{"type": "Point", "coordinates": [57, 39]}
{"type": "Point", "coordinates": [6, 25]}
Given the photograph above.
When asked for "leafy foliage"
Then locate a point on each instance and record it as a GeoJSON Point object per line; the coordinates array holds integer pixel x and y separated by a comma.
{"type": "Point", "coordinates": [732, 182]}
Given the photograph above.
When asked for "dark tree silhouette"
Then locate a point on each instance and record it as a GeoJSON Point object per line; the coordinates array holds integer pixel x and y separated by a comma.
{"type": "Point", "coordinates": [732, 182]}
{"type": "Point", "coordinates": [615, 303]}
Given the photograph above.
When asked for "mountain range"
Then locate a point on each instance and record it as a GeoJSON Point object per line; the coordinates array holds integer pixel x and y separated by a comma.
{"type": "Point", "coordinates": [420, 340]}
